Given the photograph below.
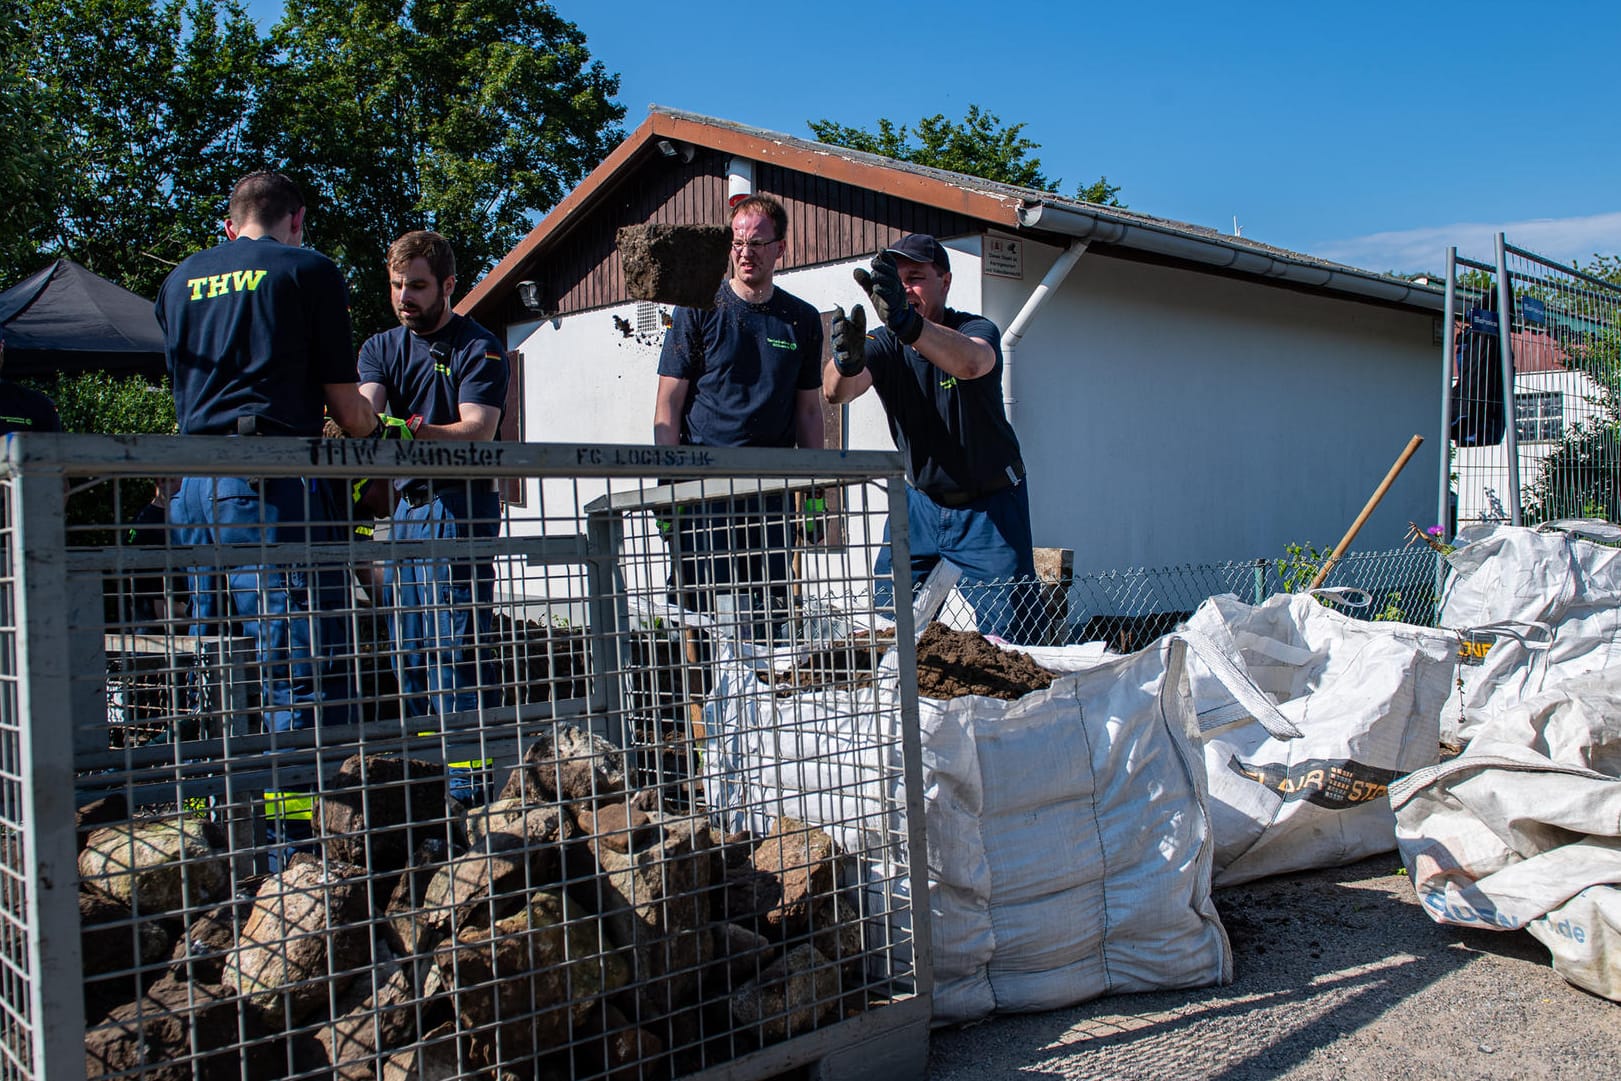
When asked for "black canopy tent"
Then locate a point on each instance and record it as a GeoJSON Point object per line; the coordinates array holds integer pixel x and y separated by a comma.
{"type": "Point", "coordinates": [65, 319]}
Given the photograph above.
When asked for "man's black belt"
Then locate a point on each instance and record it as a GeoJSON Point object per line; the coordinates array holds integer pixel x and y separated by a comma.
{"type": "Point", "coordinates": [1010, 476]}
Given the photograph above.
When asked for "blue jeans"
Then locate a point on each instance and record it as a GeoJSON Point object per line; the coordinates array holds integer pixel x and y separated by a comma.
{"type": "Point", "coordinates": [990, 541]}
{"type": "Point", "coordinates": [440, 615]}
{"type": "Point", "coordinates": [302, 656]}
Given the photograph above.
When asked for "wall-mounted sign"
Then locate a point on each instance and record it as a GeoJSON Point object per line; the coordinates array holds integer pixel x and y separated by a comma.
{"type": "Point", "coordinates": [1004, 257]}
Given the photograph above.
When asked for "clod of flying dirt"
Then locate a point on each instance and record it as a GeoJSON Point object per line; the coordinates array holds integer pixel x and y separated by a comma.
{"type": "Point", "coordinates": [674, 264]}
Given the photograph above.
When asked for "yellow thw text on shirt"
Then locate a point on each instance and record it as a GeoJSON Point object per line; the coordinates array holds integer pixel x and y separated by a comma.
{"type": "Point", "coordinates": [218, 285]}
{"type": "Point", "coordinates": [779, 343]}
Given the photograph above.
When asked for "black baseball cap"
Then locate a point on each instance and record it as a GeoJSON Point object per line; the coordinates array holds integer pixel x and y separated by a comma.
{"type": "Point", "coordinates": [922, 248]}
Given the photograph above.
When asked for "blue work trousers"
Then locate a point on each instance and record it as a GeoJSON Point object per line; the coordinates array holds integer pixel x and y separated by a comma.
{"type": "Point", "coordinates": [440, 616]}
{"type": "Point", "coordinates": [737, 546]}
{"type": "Point", "coordinates": [303, 656]}
{"type": "Point", "coordinates": [990, 540]}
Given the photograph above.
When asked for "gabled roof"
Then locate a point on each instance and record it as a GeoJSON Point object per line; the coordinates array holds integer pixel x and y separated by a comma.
{"type": "Point", "coordinates": [67, 319]}
{"type": "Point", "coordinates": [1015, 210]}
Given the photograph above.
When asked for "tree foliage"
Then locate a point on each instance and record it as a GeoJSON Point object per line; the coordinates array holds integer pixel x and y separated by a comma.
{"type": "Point", "coordinates": [464, 116]}
{"type": "Point", "coordinates": [124, 123]}
{"type": "Point", "coordinates": [979, 145]}
{"type": "Point", "coordinates": [140, 107]}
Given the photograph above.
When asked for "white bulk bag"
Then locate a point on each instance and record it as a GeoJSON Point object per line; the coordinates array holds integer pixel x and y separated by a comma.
{"type": "Point", "coordinates": [1366, 698]}
{"type": "Point", "coordinates": [1532, 608]}
{"type": "Point", "coordinates": [1523, 829]}
{"type": "Point", "coordinates": [1068, 840]}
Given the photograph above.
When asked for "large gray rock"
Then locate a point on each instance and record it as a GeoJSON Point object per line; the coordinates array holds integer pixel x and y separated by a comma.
{"type": "Point", "coordinates": [570, 764]}
{"type": "Point", "coordinates": [436, 1058]}
{"type": "Point", "coordinates": [377, 808]}
{"type": "Point", "coordinates": [803, 860]}
{"type": "Point", "coordinates": [796, 994]}
{"type": "Point", "coordinates": [116, 950]}
{"type": "Point", "coordinates": [488, 883]}
{"type": "Point", "coordinates": [524, 985]}
{"type": "Point", "coordinates": [157, 866]}
{"type": "Point", "coordinates": [307, 930]}
{"type": "Point", "coordinates": [180, 1032]}
{"type": "Point", "coordinates": [376, 1016]}
{"type": "Point", "coordinates": [655, 902]}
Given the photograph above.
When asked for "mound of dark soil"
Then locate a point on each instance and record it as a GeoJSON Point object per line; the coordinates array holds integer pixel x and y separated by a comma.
{"type": "Point", "coordinates": [951, 664]}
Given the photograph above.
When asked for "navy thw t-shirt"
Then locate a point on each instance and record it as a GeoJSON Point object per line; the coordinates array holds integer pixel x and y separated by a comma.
{"type": "Point", "coordinates": [954, 433]}
{"type": "Point", "coordinates": [255, 327]}
{"type": "Point", "coordinates": [746, 364]}
{"type": "Point", "coordinates": [471, 367]}
{"type": "Point", "coordinates": [23, 409]}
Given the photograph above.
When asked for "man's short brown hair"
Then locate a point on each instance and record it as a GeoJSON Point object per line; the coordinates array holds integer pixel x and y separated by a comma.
{"type": "Point", "coordinates": [424, 244]}
{"type": "Point", "coordinates": [766, 206]}
{"type": "Point", "coordinates": [264, 198]}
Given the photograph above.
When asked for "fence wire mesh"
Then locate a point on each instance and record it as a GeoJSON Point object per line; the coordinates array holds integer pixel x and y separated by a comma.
{"type": "Point", "coordinates": [455, 794]}
{"type": "Point", "coordinates": [1544, 442]}
{"type": "Point", "coordinates": [1128, 609]}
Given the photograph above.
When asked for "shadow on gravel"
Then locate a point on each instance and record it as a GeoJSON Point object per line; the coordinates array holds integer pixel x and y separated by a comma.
{"type": "Point", "coordinates": [1316, 956]}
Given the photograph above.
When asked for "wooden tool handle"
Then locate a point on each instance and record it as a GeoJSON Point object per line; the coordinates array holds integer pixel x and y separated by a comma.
{"type": "Point", "coordinates": [1373, 501]}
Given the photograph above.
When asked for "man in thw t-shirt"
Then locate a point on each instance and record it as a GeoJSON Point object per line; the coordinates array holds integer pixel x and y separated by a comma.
{"type": "Point", "coordinates": [745, 373]}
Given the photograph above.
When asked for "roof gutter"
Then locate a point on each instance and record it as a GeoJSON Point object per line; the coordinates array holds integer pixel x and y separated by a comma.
{"type": "Point", "coordinates": [1096, 228]}
{"type": "Point", "coordinates": [1043, 292]}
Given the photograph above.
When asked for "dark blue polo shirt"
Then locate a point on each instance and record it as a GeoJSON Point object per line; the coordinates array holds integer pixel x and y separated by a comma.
{"type": "Point", "coordinates": [23, 409]}
{"type": "Point", "coordinates": [473, 369]}
{"type": "Point", "coordinates": [255, 328]}
{"type": "Point", "coordinates": [954, 433]}
{"type": "Point", "coordinates": [746, 364]}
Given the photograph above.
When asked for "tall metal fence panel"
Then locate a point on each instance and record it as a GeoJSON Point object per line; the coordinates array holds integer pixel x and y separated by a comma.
{"type": "Point", "coordinates": [289, 792]}
{"type": "Point", "coordinates": [1533, 400]}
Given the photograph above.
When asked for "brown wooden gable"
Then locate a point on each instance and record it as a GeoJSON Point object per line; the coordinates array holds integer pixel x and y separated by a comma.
{"type": "Point", "coordinates": [828, 221]}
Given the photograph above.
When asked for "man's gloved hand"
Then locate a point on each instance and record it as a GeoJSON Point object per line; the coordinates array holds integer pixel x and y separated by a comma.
{"type": "Point", "coordinates": [813, 517]}
{"type": "Point", "coordinates": [392, 428]}
{"type": "Point", "coordinates": [888, 295]}
{"type": "Point", "coordinates": [850, 340]}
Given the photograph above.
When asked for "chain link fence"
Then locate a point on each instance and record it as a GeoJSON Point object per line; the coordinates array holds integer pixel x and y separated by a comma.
{"type": "Point", "coordinates": [1130, 608]}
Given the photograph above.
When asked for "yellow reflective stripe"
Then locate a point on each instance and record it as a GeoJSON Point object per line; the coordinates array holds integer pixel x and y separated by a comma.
{"type": "Point", "coordinates": [289, 805]}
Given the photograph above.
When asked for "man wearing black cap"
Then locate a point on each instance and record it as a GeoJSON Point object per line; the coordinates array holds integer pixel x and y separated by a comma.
{"type": "Point", "coordinates": [939, 375]}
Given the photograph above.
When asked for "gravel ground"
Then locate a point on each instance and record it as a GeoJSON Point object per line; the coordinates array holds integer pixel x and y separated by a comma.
{"type": "Point", "coordinates": [1339, 976]}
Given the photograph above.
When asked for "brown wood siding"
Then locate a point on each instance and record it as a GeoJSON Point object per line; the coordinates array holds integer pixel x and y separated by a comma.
{"type": "Point", "coordinates": [828, 221]}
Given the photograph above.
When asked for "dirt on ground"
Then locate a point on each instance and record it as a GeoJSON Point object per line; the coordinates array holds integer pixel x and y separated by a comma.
{"type": "Point", "coordinates": [951, 664]}
{"type": "Point", "coordinates": [1339, 976]}
{"type": "Point", "coordinates": [674, 264]}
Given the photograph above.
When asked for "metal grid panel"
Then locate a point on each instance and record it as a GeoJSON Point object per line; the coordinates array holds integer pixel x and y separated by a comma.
{"type": "Point", "coordinates": [1545, 442]}
{"type": "Point", "coordinates": [492, 818]}
{"type": "Point", "coordinates": [18, 1046]}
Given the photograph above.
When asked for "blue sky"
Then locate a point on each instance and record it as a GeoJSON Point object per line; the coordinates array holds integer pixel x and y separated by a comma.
{"type": "Point", "coordinates": [1375, 134]}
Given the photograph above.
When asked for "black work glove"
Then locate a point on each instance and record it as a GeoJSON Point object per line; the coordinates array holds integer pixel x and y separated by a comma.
{"type": "Point", "coordinates": [850, 340]}
{"type": "Point", "coordinates": [889, 301]}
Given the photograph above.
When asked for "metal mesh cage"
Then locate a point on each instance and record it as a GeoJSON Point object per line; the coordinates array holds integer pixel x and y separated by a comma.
{"type": "Point", "coordinates": [598, 786]}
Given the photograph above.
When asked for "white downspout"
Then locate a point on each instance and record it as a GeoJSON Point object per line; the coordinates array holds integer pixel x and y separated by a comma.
{"type": "Point", "coordinates": [1010, 337]}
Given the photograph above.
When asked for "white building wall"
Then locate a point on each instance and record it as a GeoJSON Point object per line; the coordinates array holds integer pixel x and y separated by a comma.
{"type": "Point", "coordinates": [1166, 416]}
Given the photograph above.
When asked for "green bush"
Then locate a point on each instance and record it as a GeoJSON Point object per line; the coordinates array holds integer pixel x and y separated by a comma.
{"type": "Point", "coordinates": [99, 403]}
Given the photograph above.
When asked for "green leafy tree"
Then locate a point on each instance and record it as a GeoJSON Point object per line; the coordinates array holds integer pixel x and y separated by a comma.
{"type": "Point", "coordinates": [464, 116]}
{"type": "Point", "coordinates": [979, 145]}
{"type": "Point", "coordinates": [136, 111]}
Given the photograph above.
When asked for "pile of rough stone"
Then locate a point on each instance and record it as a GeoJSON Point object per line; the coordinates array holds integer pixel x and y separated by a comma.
{"type": "Point", "coordinates": [571, 928]}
